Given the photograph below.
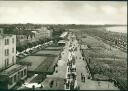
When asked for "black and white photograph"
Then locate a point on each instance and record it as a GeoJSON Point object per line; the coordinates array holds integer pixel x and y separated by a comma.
{"type": "Point", "coordinates": [63, 45]}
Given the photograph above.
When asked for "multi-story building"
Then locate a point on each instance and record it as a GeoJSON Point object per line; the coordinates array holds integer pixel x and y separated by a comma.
{"type": "Point", "coordinates": [45, 33]}
{"type": "Point", "coordinates": [21, 40]}
{"type": "Point", "coordinates": [33, 36]}
{"type": "Point", "coordinates": [10, 72]}
{"type": "Point", "coordinates": [7, 50]}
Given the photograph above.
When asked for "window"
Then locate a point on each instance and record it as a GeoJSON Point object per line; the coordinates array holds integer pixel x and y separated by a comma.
{"type": "Point", "coordinates": [12, 50]}
{"type": "Point", "coordinates": [19, 75]}
{"type": "Point", "coordinates": [6, 52]}
{"type": "Point", "coordinates": [13, 40]}
{"type": "Point", "coordinates": [6, 62]}
{"type": "Point", "coordinates": [6, 41]}
{"type": "Point", "coordinates": [15, 79]}
{"type": "Point", "coordinates": [13, 59]}
{"type": "Point", "coordinates": [25, 72]}
{"type": "Point", "coordinates": [11, 81]}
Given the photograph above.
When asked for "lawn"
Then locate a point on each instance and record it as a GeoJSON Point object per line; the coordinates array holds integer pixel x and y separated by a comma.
{"type": "Point", "coordinates": [47, 52]}
{"type": "Point", "coordinates": [53, 48]}
{"type": "Point", "coordinates": [47, 65]}
{"type": "Point", "coordinates": [35, 60]}
{"type": "Point", "coordinates": [41, 64]}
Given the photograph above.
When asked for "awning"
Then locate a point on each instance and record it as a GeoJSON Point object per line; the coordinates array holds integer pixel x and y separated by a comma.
{"type": "Point", "coordinates": [61, 41]}
{"type": "Point", "coordinates": [64, 34]}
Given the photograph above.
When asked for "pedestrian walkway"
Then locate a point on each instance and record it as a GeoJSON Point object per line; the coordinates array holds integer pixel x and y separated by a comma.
{"type": "Point", "coordinates": [81, 69]}
{"type": "Point", "coordinates": [60, 72]}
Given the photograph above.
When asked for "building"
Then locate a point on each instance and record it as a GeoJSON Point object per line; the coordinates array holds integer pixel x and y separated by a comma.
{"type": "Point", "coordinates": [44, 32]}
{"type": "Point", "coordinates": [12, 75]}
{"type": "Point", "coordinates": [21, 40]}
{"type": "Point", "coordinates": [7, 50]}
{"type": "Point", "coordinates": [10, 72]}
{"type": "Point", "coordinates": [33, 35]}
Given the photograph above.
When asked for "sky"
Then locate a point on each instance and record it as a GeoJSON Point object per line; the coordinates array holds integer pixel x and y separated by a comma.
{"type": "Point", "coordinates": [63, 12]}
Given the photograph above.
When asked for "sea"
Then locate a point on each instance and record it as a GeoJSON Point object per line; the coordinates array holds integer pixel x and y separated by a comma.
{"type": "Point", "coordinates": [120, 29]}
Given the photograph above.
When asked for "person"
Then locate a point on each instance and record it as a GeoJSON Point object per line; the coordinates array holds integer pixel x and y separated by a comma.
{"type": "Point", "coordinates": [56, 71]}
{"type": "Point", "coordinates": [64, 81]}
{"type": "Point", "coordinates": [33, 87]}
{"type": "Point", "coordinates": [75, 69]}
{"type": "Point", "coordinates": [41, 86]}
{"type": "Point", "coordinates": [84, 78]}
{"type": "Point", "coordinates": [52, 82]}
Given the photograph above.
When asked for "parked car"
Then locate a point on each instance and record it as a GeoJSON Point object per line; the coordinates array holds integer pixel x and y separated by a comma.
{"type": "Point", "coordinates": [21, 56]}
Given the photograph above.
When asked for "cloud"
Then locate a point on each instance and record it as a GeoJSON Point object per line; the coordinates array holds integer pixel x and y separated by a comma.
{"type": "Point", "coordinates": [62, 12]}
{"type": "Point", "coordinates": [109, 10]}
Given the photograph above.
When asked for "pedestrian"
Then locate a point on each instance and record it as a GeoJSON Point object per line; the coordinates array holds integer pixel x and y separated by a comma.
{"type": "Point", "coordinates": [52, 82]}
{"type": "Point", "coordinates": [68, 69]}
{"type": "Point", "coordinates": [81, 76]}
{"type": "Point", "coordinates": [75, 69]}
{"type": "Point", "coordinates": [84, 78]}
{"type": "Point", "coordinates": [64, 81]}
{"type": "Point", "coordinates": [33, 87]}
{"type": "Point", "coordinates": [41, 86]}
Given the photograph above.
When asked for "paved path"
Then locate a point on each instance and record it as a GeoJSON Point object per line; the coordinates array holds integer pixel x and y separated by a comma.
{"type": "Point", "coordinates": [61, 72]}
{"type": "Point", "coordinates": [81, 68]}
{"type": "Point", "coordinates": [58, 77]}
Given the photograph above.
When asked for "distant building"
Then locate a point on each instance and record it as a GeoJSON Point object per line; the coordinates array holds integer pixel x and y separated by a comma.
{"type": "Point", "coordinates": [44, 32]}
{"type": "Point", "coordinates": [10, 72]}
{"type": "Point", "coordinates": [21, 40]}
{"type": "Point", "coordinates": [33, 36]}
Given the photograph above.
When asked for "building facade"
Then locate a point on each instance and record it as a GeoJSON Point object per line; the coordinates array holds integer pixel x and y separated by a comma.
{"type": "Point", "coordinates": [7, 50]}
{"type": "Point", "coordinates": [21, 40]}
{"type": "Point", "coordinates": [12, 75]}
{"type": "Point", "coordinates": [34, 35]}
{"type": "Point", "coordinates": [44, 32]}
{"type": "Point", "coordinates": [10, 72]}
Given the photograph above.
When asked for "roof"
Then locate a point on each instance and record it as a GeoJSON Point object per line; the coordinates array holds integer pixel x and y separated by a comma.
{"type": "Point", "coordinates": [6, 35]}
{"type": "Point", "coordinates": [61, 41]}
{"type": "Point", "coordinates": [64, 34]}
{"type": "Point", "coordinates": [34, 32]}
{"type": "Point", "coordinates": [12, 69]}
